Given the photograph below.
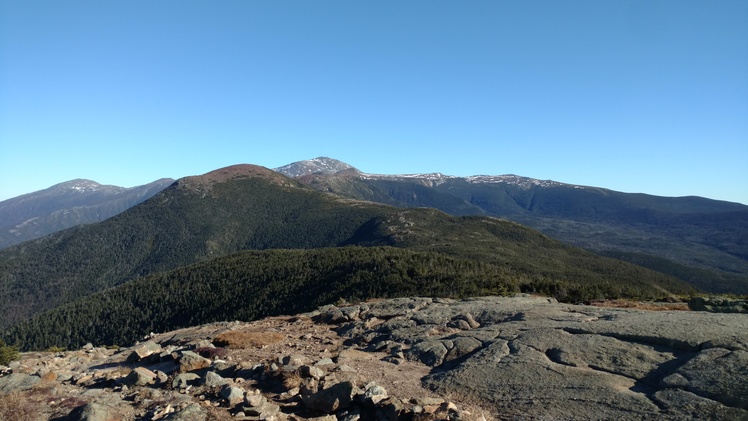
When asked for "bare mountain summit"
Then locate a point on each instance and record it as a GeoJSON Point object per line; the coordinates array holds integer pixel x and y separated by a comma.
{"type": "Point", "coordinates": [321, 165]}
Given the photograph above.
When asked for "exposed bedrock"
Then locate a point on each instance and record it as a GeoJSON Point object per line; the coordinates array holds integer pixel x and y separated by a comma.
{"type": "Point", "coordinates": [535, 358]}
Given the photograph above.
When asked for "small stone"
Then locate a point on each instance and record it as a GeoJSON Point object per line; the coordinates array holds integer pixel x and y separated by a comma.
{"type": "Point", "coordinates": [189, 361]}
{"type": "Point", "coordinates": [144, 350]}
{"type": "Point", "coordinates": [232, 394]}
{"type": "Point", "coordinates": [161, 377]}
{"type": "Point", "coordinates": [191, 412]}
{"type": "Point", "coordinates": [83, 379]}
{"type": "Point", "coordinates": [312, 371]}
{"type": "Point", "coordinates": [334, 398]}
{"type": "Point", "coordinates": [254, 400]}
{"type": "Point", "coordinates": [294, 360]}
{"type": "Point", "coordinates": [324, 361]}
{"type": "Point", "coordinates": [429, 401]}
{"type": "Point", "coordinates": [183, 380]}
{"type": "Point", "coordinates": [95, 412]}
{"type": "Point", "coordinates": [140, 376]}
{"type": "Point", "coordinates": [374, 393]}
{"type": "Point", "coordinates": [265, 411]}
{"type": "Point", "coordinates": [214, 379]}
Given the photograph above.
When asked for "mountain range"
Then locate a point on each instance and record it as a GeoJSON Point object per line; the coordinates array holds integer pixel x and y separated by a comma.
{"type": "Point", "coordinates": [702, 241]}
{"type": "Point", "coordinates": [696, 239]}
{"type": "Point", "coordinates": [66, 205]}
{"type": "Point", "coordinates": [245, 241]}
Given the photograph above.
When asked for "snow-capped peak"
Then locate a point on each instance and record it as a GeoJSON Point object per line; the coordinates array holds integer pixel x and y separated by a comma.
{"type": "Point", "coordinates": [323, 165]}
{"type": "Point", "coordinates": [81, 185]}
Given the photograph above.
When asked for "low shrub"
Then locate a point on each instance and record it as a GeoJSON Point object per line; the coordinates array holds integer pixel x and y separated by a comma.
{"type": "Point", "coordinates": [8, 353]}
{"type": "Point", "coordinates": [212, 353]}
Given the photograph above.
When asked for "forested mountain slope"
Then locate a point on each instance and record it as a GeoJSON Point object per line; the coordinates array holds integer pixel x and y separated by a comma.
{"type": "Point", "coordinates": [253, 284]}
{"type": "Point", "coordinates": [707, 235]}
{"type": "Point", "coordinates": [249, 207]}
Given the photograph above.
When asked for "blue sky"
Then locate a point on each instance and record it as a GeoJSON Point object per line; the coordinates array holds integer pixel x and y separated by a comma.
{"type": "Point", "coordinates": [637, 96]}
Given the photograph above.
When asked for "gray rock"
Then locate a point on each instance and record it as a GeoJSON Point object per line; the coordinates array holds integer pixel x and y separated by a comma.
{"type": "Point", "coordinates": [144, 350]}
{"type": "Point", "coordinates": [718, 374]}
{"type": "Point", "coordinates": [17, 382]}
{"type": "Point", "coordinates": [182, 380]}
{"type": "Point", "coordinates": [294, 360]}
{"type": "Point", "coordinates": [191, 412]}
{"type": "Point", "coordinates": [140, 376]}
{"type": "Point", "coordinates": [324, 361]}
{"type": "Point", "coordinates": [334, 398]}
{"type": "Point", "coordinates": [95, 412]}
{"type": "Point", "coordinates": [214, 380]}
{"type": "Point", "coordinates": [232, 394]}
{"type": "Point", "coordinates": [603, 353]}
{"type": "Point", "coordinates": [464, 322]}
{"type": "Point", "coordinates": [161, 377]}
{"type": "Point", "coordinates": [718, 305]}
{"type": "Point", "coordinates": [431, 353]}
{"type": "Point", "coordinates": [373, 394]}
{"type": "Point", "coordinates": [462, 346]}
{"type": "Point", "coordinates": [261, 408]}
{"type": "Point", "coordinates": [189, 361]}
{"type": "Point", "coordinates": [254, 400]}
{"type": "Point", "coordinates": [683, 405]}
{"type": "Point", "coordinates": [311, 371]}
{"type": "Point", "coordinates": [534, 358]}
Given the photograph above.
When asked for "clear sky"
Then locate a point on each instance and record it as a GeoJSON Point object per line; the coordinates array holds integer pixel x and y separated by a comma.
{"type": "Point", "coordinates": [637, 96]}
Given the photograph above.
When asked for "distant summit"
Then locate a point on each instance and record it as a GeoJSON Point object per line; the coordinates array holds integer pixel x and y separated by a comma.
{"type": "Point", "coordinates": [65, 205]}
{"type": "Point", "coordinates": [321, 165]}
{"type": "Point", "coordinates": [641, 228]}
{"type": "Point", "coordinates": [329, 166]}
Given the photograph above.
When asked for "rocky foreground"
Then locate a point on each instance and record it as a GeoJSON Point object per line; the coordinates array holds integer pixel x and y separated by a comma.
{"type": "Point", "coordinates": [519, 358]}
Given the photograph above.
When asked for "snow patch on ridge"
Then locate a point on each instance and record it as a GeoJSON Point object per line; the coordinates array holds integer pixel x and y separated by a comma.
{"type": "Point", "coordinates": [439, 178]}
{"type": "Point", "coordinates": [81, 186]}
{"type": "Point", "coordinates": [516, 180]}
{"type": "Point", "coordinates": [325, 165]}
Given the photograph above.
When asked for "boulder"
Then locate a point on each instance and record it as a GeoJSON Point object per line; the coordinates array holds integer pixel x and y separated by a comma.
{"type": "Point", "coordinates": [462, 346]}
{"type": "Point", "coordinates": [294, 360]}
{"type": "Point", "coordinates": [189, 361]}
{"type": "Point", "coordinates": [718, 305]}
{"type": "Point", "coordinates": [254, 399]}
{"type": "Point", "coordinates": [144, 350]}
{"type": "Point", "coordinates": [191, 412]}
{"type": "Point", "coordinates": [336, 397]}
{"type": "Point", "coordinates": [373, 394]}
{"type": "Point", "coordinates": [311, 371]}
{"type": "Point", "coordinates": [182, 380]}
{"type": "Point", "coordinates": [232, 394]}
{"type": "Point", "coordinates": [140, 376]}
{"type": "Point", "coordinates": [214, 380]}
{"type": "Point", "coordinates": [431, 353]}
{"type": "Point", "coordinates": [17, 382]}
{"type": "Point", "coordinates": [256, 405]}
{"type": "Point", "coordinates": [95, 412]}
